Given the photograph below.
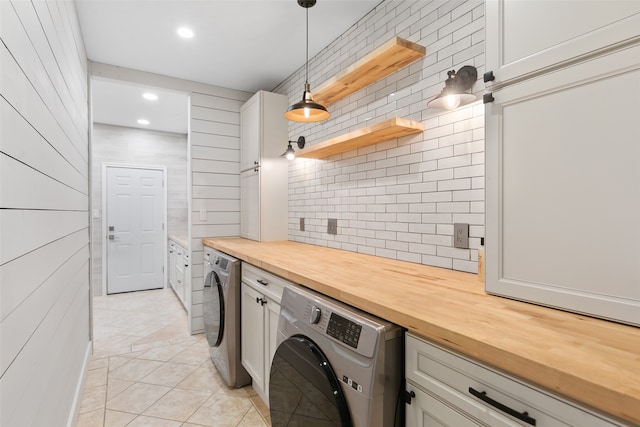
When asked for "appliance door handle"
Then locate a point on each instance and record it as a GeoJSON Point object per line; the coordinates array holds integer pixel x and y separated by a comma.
{"type": "Point", "coordinates": [523, 416]}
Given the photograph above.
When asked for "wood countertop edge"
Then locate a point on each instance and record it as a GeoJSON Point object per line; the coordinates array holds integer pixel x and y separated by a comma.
{"type": "Point", "coordinates": [621, 401]}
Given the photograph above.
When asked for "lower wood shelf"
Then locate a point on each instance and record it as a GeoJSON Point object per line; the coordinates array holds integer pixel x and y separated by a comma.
{"type": "Point", "coordinates": [379, 132]}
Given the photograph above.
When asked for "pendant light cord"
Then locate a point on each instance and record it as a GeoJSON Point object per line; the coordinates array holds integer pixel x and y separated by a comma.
{"type": "Point", "coordinates": [307, 63]}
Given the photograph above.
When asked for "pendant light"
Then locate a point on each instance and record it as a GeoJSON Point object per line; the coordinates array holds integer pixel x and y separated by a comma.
{"type": "Point", "coordinates": [455, 92]}
{"type": "Point", "coordinates": [307, 110]}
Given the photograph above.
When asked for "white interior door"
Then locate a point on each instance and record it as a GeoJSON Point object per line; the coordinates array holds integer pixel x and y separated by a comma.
{"type": "Point", "coordinates": [135, 235]}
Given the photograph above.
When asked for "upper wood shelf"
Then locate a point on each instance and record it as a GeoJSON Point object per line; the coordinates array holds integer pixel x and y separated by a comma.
{"type": "Point", "coordinates": [390, 57]}
{"type": "Point", "coordinates": [379, 132]}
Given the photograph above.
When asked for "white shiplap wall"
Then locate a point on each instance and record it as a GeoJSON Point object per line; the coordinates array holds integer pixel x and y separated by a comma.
{"type": "Point", "coordinates": [215, 179]}
{"type": "Point", "coordinates": [125, 145]}
{"type": "Point", "coordinates": [398, 199]}
{"type": "Point", "coordinates": [44, 243]}
{"type": "Point", "coordinates": [213, 171]}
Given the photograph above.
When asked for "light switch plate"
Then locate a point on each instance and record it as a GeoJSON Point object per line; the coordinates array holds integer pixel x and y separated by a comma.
{"type": "Point", "coordinates": [332, 226]}
{"type": "Point", "coordinates": [461, 236]}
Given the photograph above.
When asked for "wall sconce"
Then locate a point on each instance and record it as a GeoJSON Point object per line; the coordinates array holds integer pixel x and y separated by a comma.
{"type": "Point", "coordinates": [455, 92]}
{"type": "Point", "coordinates": [290, 154]}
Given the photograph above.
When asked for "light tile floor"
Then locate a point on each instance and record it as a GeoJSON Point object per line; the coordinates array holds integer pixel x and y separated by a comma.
{"type": "Point", "coordinates": [147, 370]}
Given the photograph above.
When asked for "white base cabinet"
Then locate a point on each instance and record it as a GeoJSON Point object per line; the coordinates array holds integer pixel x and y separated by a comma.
{"type": "Point", "coordinates": [179, 272]}
{"type": "Point", "coordinates": [453, 391]}
{"type": "Point", "coordinates": [260, 302]}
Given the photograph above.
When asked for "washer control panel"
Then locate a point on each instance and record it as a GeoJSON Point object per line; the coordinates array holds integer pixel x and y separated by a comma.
{"type": "Point", "coordinates": [344, 330]}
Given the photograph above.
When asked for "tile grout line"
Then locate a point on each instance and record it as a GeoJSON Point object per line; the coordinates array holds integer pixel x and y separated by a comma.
{"type": "Point", "coordinates": [167, 333]}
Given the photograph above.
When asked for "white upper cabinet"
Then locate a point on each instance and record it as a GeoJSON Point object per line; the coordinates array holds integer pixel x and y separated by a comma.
{"type": "Point", "coordinates": [562, 148]}
{"type": "Point", "coordinates": [526, 37]}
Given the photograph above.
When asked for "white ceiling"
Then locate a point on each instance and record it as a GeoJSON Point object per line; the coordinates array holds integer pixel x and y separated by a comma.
{"type": "Point", "coordinates": [120, 103]}
{"type": "Point", "coordinates": [240, 44]}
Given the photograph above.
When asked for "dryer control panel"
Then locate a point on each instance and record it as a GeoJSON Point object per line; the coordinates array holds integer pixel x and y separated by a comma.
{"type": "Point", "coordinates": [344, 330]}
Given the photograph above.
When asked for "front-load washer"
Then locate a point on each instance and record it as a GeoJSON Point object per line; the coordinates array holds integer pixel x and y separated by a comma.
{"type": "Point", "coordinates": [334, 365]}
{"type": "Point", "coordinates": [221, 311]}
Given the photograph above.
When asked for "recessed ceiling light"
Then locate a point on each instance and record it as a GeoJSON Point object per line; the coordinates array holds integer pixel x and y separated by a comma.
{"type": "Point", "coordinates": [185, 32]}
{"type": "Point", "coordinates": [143, 121]}
{"type": "Point", "coordinates": [150, 96]}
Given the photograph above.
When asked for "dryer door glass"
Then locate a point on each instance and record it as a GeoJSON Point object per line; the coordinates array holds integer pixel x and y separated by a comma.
{"type": "Point", "coordinates": [213, 301]}
{"type": "Point", "coordinates": [303, 388]}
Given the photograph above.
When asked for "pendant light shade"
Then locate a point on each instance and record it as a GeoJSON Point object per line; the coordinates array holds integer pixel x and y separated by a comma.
{"type": "Point", "coordinates": [455, 92]}
{"type": "Point", "coordinates": [307, 110]}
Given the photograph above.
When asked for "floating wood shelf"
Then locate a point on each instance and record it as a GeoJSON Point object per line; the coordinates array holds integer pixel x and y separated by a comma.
{"type": "Point", "coordinates": [379, 132]}
{"type": "Point", "coordinates": [390, 57]}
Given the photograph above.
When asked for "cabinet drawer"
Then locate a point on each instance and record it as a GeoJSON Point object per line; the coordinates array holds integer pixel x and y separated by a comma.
{"type": "Point", "coordinates": [453, 379]}
{"type": "Point", "coordinates": [269, 284]}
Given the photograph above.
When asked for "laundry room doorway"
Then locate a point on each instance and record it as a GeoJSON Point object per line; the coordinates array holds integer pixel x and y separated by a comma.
{"type": "Point", "coordinates": [134, 225]}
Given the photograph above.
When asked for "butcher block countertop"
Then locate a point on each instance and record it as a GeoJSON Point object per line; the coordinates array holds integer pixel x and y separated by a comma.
{"type": "Point", "coordinates": [593, 361]}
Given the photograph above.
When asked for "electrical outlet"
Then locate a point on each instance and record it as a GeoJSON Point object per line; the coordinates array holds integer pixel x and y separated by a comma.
{"type": "Point", "coordinates": [332, 226]}
{"type": "Point", "coordinates": [203, 214]}
{"type": "Point", "coordinates": [301, 224]}
{"type": "Point", "coordinates": [461, 236]}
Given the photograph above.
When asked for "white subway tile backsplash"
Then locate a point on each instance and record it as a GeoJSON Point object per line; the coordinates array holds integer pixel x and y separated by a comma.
{"type": "Point", "coordinates": [397, 199]}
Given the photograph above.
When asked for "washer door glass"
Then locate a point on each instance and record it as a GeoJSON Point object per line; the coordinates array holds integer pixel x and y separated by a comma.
{"type": "Point", "coordinates": [303, 387]}
{"type": "Point", "coordinates": [213, 301]}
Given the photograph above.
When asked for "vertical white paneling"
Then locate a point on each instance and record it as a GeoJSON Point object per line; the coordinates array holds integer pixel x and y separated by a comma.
{"type": "Point", "coordinates": [400, 198]}
{"type": "Point", "coordinates": [116, 144]}
{"type": "Point", "coordinates": [44, 252]}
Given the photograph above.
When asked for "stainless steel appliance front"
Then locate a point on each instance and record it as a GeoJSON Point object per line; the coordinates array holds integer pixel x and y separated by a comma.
{"type": "Point", "coordinates": [221, 307]}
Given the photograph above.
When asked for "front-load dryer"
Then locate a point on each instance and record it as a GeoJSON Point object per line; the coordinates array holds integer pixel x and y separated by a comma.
{"type": "Point", "coordinates": [221, 311]}
{"type": "Point", "coordinates": [334, 365]}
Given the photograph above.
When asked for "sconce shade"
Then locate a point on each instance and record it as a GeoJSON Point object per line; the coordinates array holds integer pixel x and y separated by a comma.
{"type": "Point", "coordinates": [455, 89]}
{"type": "Point", "coordinates": [290, 154]}
{"type": "Point", "coordinates": [307, 110]}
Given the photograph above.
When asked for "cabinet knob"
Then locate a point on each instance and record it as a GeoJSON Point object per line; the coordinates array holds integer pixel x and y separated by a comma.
{"type": "Point", "coordinates": [407, 396]}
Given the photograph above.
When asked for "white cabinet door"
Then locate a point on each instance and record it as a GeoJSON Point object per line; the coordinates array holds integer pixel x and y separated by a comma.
{"type": "Point", "coordinates": [250, 205]}
{"type": "Point", "coordinates": [252, 337]}
{"type": "Point", "coordinates": [264, 173]}
{"type": "Point", "coordinates": [272, 313]}
{"type": "Point", "coordinates": [427, 411]}
{"type": "Point", "coordinates": [250, 133]}
{"type": "Point", "coordinates": [525, 37]}
{"type": "Point", "coordinates": [562, 189]}
{"type": "Point", "coordinates": [171, 273]}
